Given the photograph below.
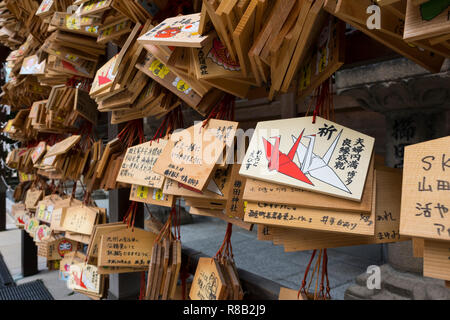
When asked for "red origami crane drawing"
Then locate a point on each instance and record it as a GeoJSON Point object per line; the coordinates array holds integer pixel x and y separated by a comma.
{"type": "Point", "coordinates": [79, 281]}
{"type": "Point", "coordinates": [103, 80]}
{"type": "Point", "coordinates": [284, 163]}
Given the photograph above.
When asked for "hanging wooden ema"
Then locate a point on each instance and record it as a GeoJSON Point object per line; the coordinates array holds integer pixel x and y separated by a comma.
{"type": "Point", "coordinates": [307, 218]}
{"type": "Point", "coordinates": [165, 262]}
{"type": "Point", "coordinates": [93, 7]}
{"type": "Point", "coordinates": [63, 146]}
{"type": "Point", "coordinates": [31, 65]}
{"type": "Point", "coordinates": [354, 13]}
{"type": "Point", "coordinates": [151, 196]}
{"type": "Point", "coordinates": [99, 230]}
{"type": "Point", "coordinates": [426, 184]}
{"type": "Point", "coordinates": [386, 220]}
{"type": "Point", "coordinates": [326, 59]}
{"type": "Point", "coordinates": [322, 157]}
{"type": "Point", "coordinates": [38, 151]}
{"type": "Point", "coordinates": [436, 259]}
{"type": "Point", "coordinates": [85, 278]}
{"type": "Point", "coordinates": [147, 185]}
{"type": "Point", "coordinates": [212, 61]}
{"type": "Point", "coordinates": [162, 74]}
{"type": "Point", "coordinates": [104, 77]}
{"type": "Point", "coordinates": [426, 19]}
{"type": "Point", "coordinates": [191, 155]}
{"type": "Point", "coordinates": [80, 219]}
{"type": "Point", "coordinates": [217, 278]}
{"type": "Point", "coordinates": [131, 247]}
{"type": "Point", "coordinates": [58, 248]}
{"type": "Point", "coordinates": [208, 283]}
{"type": "Point", "coordinates": [137, 165]}
{"type": "Point", "coordinates": [255, 190]}
{"type": "Point", "coordinates": [217, 189]}
{"type": "Point", "coordinates": [177, 31]}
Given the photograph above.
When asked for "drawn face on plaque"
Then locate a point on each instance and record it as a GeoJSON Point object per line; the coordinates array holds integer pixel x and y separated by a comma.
{"type": "Point", "coordinates": [169, 32]}
{"type": "Point", "coordinates": [219, 55]}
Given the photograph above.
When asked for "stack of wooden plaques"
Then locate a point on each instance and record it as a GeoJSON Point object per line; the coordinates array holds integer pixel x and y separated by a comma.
{"type": "Point", "coordinates": [109, 165]}
{"type": "Point", "coordinates": [90, 174]}
{"type": "Point", "coordinates": [118, 248]}
{"type": "Point", "coordinates": [24, 92]}
{"type": "Point", "coordinates": [164, 270]}
{"type": "Point", "coordinates": [256, 42]}
{"type": "Point", "coordinates": [70, 55]}
{"type": "Point", "coordinates": [32, 197]}
{"type": "Point", "coordinates": [326, 191]}
{"type": "Point", "coordinates": [82, 277]}
{"type": "Point", "coordinates": [20, 128]}
{"type": "Point", "coordinates": [23, 15]}
{"type": "Point", "coordinates": [79, 221]}
{"type": "Point", "coordinates": [64, 160]}
{"type": "Point", "coordinates": [383, 217]}
{"type": "Point", "coordinates": [165, 262]}
{"type": "Point", "coordinates": [418, 30]}
{"type": "Point", "coordinates": [217, 278]}
{"type": "Point", "coordinates": [9, 35]}
{"type": "Point", "coordinates": [425, 203]}
{"type": "Point", "coordinates": [136, 170]}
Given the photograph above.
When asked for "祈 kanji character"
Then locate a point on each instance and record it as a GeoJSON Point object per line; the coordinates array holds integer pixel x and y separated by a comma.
{"type": "Point", "coordinates": [327, 130]}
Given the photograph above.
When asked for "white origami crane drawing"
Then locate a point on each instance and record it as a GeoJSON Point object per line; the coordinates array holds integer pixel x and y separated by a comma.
{"type": "Point", "coordinates": [318, 167]}
{"type": "Point", "coordinates": [213, 187]}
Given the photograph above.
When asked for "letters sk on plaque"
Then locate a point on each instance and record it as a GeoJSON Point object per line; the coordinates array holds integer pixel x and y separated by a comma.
{"type": "Point", "coordinates": [426, 190]}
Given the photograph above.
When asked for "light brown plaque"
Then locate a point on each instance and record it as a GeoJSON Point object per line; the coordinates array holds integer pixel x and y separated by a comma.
{"type": "Point", "coordinates": [137, 165]}
{"type": "Point", "coordinates": [126, 248]}
{"type": "Point", "coordinates": [323, 157]}
{"type": "Point", "coordinates": [425, 192]}
{"type": "Point", "coordinates": [191, 155]}
{"type": "Point", "coordinates": [208, 283]}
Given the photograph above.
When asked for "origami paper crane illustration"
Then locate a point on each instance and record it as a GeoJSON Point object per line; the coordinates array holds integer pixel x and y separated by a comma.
{"type": "Point", "coordinates": [316, 166]}
{"type": "Point", "coordinates": [284, 163]}
{"type": "Point", "coordinates": [213, 187]}
{"type": "Point", "coordinates": [78, 280]}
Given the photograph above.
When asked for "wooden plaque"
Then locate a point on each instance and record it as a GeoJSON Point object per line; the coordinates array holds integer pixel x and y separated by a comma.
{"type": "Point", "coordinates": [208, 283]}
{"type": "Point", "coordinates": [191, 155]}
{"type": "Point", "coordinates": [177, 31]}
{"type": "Point", "coordinates": [151, 195]}
{"type": "Point", "coordinates": [323, 157]}
{"type": "Point", "coordinates": [213, 61]}
{"type": "Point", "coordinates": [276, 193]}
{"type": "Point", "coordinates": [436, 259]}
{"type": "Point", "coordinates": [137, 165]}
{"type": "Point", "coordinates": [426, 20]}
{"type": "Point", "coordinates": [126, 248]}
{"type": "Point", "coordinates": [80, 219]}
{"type": "Point", "coordinates": [425, 191]}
